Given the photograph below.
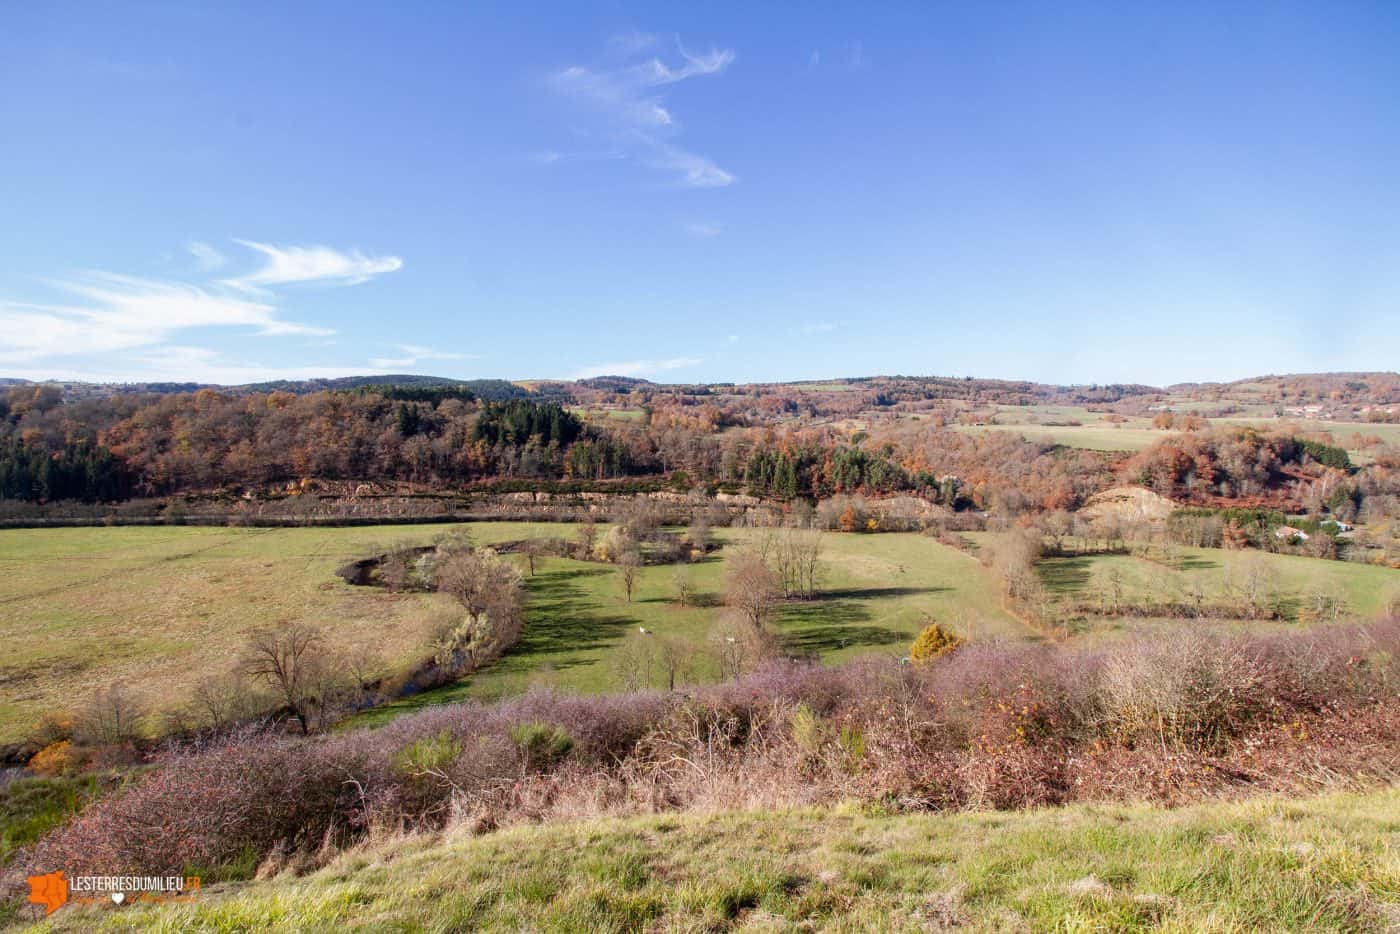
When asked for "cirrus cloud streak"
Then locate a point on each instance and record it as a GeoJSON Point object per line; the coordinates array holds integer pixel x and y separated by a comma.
{"type": "Point", "coordinates": [312, 264]}
{"type": "Point", "coordinates": [630, 102]}
{"type": "Point", "coordinates": [104, 313]}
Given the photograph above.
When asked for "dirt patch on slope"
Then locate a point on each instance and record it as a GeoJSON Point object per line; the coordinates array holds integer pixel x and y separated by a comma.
{"type": "Point", "coordinates": [1128, 502]}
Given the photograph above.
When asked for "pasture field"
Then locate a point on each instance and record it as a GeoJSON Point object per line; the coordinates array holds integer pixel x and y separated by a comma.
{"type": "Point", "coordinates": [1093, 432]}
{"type": "Point", "coordinates": [603, 415]}
{"type": "Point", "coordinates": [874, 592]}
{"type": "Point", "coordinates": [159, 609]}
{"type": "Point", "coordinates": [1217, 575]}
{"type": "Point", "coordinates": [1096, 434]}
{"type": "Point", "coordinates": [1100, 437]}
{"type": "Point", "coordinates": [1318, 863]}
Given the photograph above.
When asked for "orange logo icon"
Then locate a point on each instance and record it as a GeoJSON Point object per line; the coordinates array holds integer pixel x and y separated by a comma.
{"type": "Point", "coordinates": [49, 890]}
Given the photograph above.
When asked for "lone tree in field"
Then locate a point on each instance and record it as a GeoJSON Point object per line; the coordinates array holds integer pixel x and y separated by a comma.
{"type": "Point", "coordinates": [932, 642]}
{"type": "Point", "coordinates": [628, 564]}
{"type": "Point", "coordinates": [752, 590]}
{"type": "Point", "coordinates": [1254, 584]}
{"type": "Point", "coordinates": [533, 549]}
{"type": "Point", "coordinates": [585, 537]}
{"type": "Point", "coordinates": [489, 589]}
{"type": "Point", "coordinates": [683, 586]}
{"type": "Point", "coordinates": [699, 536]}
{"type": "Point", "coordinates": [288, 659]}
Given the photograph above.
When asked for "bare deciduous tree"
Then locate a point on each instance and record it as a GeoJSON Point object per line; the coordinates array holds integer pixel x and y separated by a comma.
{"type": "Point", "coordinates": [396, 567]}
{"type": "Point", "coordinates": [1255, 585]}
{"type": "Point", "coordinates": [362, 666]}
{"type": "Point", "coordinates": [584, 539]}
{"type": "Point", "coordinates": [489, 589]}
{"type": "Point", "coordinates": [736, 646]}
{"type": "Point", "coordinates": [629, 563]}
{"type": "Point", "coordinates": [220, 699]}
{"type": "Point", "coordinates": [800, 555]}
{"type": "Point", "coordinates": [673, 657]}
{"type": "Point", "coordinates": [287, 659]}
{"type": "Point", "coordinates": [699, 535]}
{"type": "Point", "coordinates": [684, 587]}
{"type": "Point", "coordinates": [1108, 584]}
{"type": "Point", "coordinates": [1058, 525]}
{"type": "Point", "coordinates": [111, 717]}
{"type": "Point", "coordinates": [533, 549]}
{"type": "Point", "coordinates": [633, 661]}
{"type": "Point", "coordinates": [752, 590]}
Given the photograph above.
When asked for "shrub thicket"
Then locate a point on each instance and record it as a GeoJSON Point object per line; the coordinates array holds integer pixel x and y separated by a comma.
{"type": "Point", "coordinates": [986, 726]}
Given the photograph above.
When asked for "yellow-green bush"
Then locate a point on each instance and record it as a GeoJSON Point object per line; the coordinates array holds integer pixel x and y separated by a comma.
{"type": "Point", "coordinates": [932, 642]}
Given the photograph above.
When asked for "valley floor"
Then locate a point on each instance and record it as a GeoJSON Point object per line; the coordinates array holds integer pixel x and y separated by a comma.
{"type": "Point", "coordinates": [1324, 863]}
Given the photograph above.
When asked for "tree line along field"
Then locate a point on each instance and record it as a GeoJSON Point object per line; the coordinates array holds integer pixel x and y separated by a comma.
{"type": "Point", "coordinates": [1320, 863]}
{"type": "Point", "coordinates": [161, 608]}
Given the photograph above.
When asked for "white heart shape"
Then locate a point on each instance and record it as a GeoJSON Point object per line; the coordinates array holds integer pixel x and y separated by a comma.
{"type": "Point", "coordinates": [118, 897]}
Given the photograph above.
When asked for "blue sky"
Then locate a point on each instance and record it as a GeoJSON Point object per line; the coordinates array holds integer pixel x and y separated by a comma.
{"type": "Point", "coordinates": [1055, 191]}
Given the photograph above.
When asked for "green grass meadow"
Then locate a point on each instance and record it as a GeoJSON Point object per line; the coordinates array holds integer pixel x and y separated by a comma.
{"type": "Point", "coordinates": [161, 608]}
{"type": "Point", "coordinates": [1136, 433]}
{"type": "Point", "coordinates": [875, 592]}
{"type": "Point", "coordinates": [1363, 589]}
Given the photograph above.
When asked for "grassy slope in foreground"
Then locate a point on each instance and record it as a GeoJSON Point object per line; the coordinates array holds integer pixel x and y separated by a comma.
{"type": "Point", "coordinates": [1326, 863]}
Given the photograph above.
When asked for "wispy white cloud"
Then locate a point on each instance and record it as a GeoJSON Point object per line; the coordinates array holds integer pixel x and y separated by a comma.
{"type": "Point", "coordinates": [630, 99]}
{"type": "Point", "coordinates": [554, 156]}
{"type": "Point", "coordinates": [118, 313]}
{"type": "Point", "coordinates": [411, 355]}
{"type": "Point", "coordinates": [657, 72]}
{"type": "Point", "coordinates": [617, 95]}
{"type": "Point", "coordinates": [631, 42]}
{"type": "Point", "coordinates": [702, 229]}
{"type": "Point", "coordinates": [312, 264]}
{"type": "Point", "coordinates": [182, 364]}
{"type": "Point", "coordinates": [824, 327]}
{"type": "Point", "coordinates": [113, 327]}
{"type": "Point", "coordinates": [637, 367]}
{"type": "Point", "coordinates": [694, 171]}
{"type": "Point", "coordinates": [109, 313]}
{"type": "Point", "coordinates": [206, 255]}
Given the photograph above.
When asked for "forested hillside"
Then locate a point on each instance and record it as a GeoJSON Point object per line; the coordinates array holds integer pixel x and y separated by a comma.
{"type": "Point", "coordinates": [784, 443]}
